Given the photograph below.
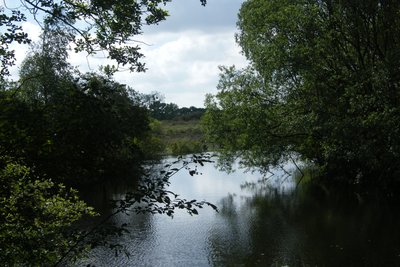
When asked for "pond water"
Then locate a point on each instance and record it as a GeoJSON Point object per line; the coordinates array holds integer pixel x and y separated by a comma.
{"type": "Point", "coordinates": [262, 221]}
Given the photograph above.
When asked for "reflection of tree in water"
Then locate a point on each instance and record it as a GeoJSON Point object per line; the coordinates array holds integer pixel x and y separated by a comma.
{"type": "Point", "coordinates": [235, 240]}
{"type": "Point", "coordinates": [99, 195]}
{"type": "Point", "coordinates": [228, 207]}
{"type": "Point", "coordinates": [229, 238]}
{"type": "Point", "coordinates": [310, 226]}
{"type": "Point", "coordinates": [139, 226]}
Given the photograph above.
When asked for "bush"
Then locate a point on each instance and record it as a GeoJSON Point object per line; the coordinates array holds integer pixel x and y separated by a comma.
{"type": "Point", "coordinates": [35, 217]}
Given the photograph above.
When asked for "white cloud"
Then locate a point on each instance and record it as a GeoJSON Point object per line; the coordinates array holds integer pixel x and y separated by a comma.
{"type": "Point", "coordinates": [184, 66]}
{"type": "Point", "coordinates": [183, 54]}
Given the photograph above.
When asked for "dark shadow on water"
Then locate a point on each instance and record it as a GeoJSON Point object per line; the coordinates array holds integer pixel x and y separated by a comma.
{"type": "Point", "coordinates": [313, 226]}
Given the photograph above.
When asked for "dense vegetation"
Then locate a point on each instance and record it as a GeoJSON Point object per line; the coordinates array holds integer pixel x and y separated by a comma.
{"type": "Point", "coordinates": [180, 137]}
{"type": "Point", "coordinates": [59, 126]}
{"type": "Point", "coordinates": [323, 84]}
{"type": "Point", "coordinates": [71, 126]}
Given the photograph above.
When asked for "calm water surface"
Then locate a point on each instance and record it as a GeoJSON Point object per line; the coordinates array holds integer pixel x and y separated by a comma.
{"type": "Point", "coordinates": [262, 222]}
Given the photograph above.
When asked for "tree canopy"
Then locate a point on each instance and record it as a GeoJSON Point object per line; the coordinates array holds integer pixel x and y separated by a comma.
{"type": "Point", "coordinates": [323, 83]}
{"type": "Point", "coordinates": [78, 127]}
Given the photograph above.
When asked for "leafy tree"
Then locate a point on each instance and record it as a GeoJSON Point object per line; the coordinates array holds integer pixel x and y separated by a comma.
{"type": "Point", "coordinates": [158, 109]}
{"type": "Point", "coordinates": [88, 131]}
{"type": "Point", "coordinates": [190, 113]}
{"type": "Point", "coordinates": [323, 82]}
{"type": "Point", "coordinates": [71, 126]}
{"type": "Point", "coordinates": [242, 121]}
{"type": "Point", "coordinates": [45, 73]}
{"type": "Point", "coordinates": [100, 130]}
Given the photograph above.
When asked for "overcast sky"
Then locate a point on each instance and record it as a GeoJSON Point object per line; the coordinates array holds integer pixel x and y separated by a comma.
{"type": "Point", "coordinates": [184, 51]}
{"type": "Point", "coordinates": [187, 49]}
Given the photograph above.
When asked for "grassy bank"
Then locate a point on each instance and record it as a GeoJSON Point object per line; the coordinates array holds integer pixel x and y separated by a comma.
{"type": "Point", "coordinates": [180, 137]}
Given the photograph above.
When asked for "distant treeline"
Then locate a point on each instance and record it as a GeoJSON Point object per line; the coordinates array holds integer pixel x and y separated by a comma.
{"type": "Point", "coordinates": [160, 110]}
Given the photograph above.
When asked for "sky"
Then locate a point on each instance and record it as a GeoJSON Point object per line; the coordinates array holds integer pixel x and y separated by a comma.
{"type": "Point", "coordinates": [182, 54]}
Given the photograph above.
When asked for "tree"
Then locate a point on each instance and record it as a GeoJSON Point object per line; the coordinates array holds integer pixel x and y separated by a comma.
{"type": "Point", "coordinates": [45, 73]}
{"type": "Point", "coordinates": [97, 129]}
{"type": "Point", "coordinates": [323, 83]}
{"type": "Point", "coordinates": [76, 128]}
{"type": "Point", "coordinates": [246, 120]}
{"type": "Point", "coordinates": [158, 109]}
{"type": "Point", "coordinates": [93, 26]}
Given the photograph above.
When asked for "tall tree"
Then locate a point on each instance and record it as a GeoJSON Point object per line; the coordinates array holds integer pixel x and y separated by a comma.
{"type": "Point", "coordinates": [324, 82]}
{"type": "Point", "coordinates": [71, 126]}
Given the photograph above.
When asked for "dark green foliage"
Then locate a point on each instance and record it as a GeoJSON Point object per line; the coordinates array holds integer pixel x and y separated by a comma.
{"type": "Point", "coordinates": [86, 132]}
{"type": "Point", "coordinates": [190, 113]}
{"type": "Point", "coordinates": [157, 108]}
{"type": "Point", "coordinates": [95, 130]}
{"type": "Point", "coordinates": [323, 82]}
{"type": "Point", "coordinates": [70, 126]}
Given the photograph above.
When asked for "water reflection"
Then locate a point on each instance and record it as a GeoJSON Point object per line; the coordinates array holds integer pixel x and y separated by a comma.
{"type": "Point", "coordinates": [303, 228]}
{"type": "Point", "coordinates": [263, 221]}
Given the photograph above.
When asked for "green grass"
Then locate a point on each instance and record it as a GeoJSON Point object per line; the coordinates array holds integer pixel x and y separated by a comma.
{"type": "Point", "coordinates": [180, 137]}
